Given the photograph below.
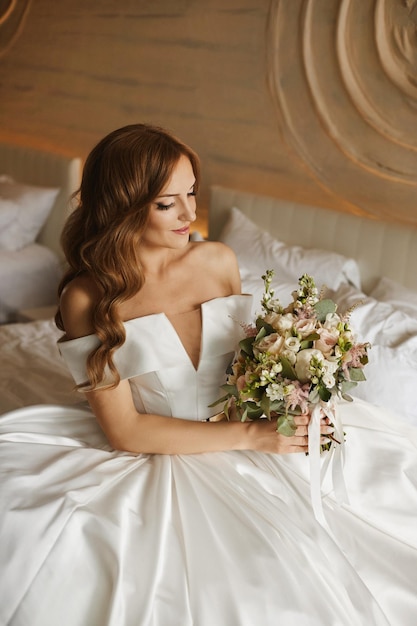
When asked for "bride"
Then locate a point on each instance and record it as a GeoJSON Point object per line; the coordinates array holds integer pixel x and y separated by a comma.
{"type": "Point", "coordinates": [141, 511]}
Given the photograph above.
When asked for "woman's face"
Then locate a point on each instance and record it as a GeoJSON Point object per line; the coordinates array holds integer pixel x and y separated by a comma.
{"type": "Point", "coordinates": [173, 210]}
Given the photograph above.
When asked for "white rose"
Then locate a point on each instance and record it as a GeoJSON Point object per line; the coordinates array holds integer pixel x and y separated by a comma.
{"type": "Point", "coordinates": [305, 327]}
{"type": "Point", "coordinates": [273, 318]}
{"type": "Point", "coordinates": [292, 343]}
{"type": "Point", "coordinates": [331, 365]}
{"type": "Point", "coordinates": [332, 320]}
{"type": "Point", "coordinates": [329, 380]}
{"type": "Point", "coordinates": [302, 363]}
{"type": "Point", "coordinates": [284, 323]}
{"type": "Point", "coordinates": [290, 355]}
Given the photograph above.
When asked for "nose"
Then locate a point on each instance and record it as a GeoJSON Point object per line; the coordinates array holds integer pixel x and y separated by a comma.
{"type": "Point", "coordinates": [188, 212]}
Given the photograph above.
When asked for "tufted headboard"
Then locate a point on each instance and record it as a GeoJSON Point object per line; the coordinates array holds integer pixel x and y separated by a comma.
{"type": "Point", "coordinates": [36, 166]}
{"type": "Point", "coordinates": [380, 248]}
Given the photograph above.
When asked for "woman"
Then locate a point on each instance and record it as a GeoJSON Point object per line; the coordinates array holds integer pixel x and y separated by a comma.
{"type": "Point", "coordinates": [163, 517]}
{"type": "Point", "coordinates": [130, 257]}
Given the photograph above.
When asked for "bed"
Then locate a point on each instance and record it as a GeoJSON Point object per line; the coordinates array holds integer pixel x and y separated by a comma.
{"type": "Point", "coordinates": [365, 265]}
{"type": "Point", "coordinates": [35, 188]}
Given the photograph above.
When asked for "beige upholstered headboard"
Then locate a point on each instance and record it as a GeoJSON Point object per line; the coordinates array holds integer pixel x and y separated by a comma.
{"type": "Point", "coordinates": [44, 168]}
{"type": "Point", "coordinates": [380, 248]}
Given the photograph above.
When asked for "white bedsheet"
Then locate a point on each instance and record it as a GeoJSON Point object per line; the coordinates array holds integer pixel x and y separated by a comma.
{"type": "Point", "coordinates": [32, 370]}
{"type": "Point", "coordinates": [28, 278]}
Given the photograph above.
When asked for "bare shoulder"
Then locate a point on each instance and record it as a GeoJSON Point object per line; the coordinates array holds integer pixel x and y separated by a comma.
{"type": "Point", "coordinates": [212, 249]}
{"type": "Point", "coordinates": [218, 259]}
{"type": "Point", "coordinates": [76, 304]}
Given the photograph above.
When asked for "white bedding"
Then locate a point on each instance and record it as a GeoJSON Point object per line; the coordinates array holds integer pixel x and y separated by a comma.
{"type": "Point", "coordinates": [32, 371]}
{"type": "Point", "coordinates": [28, 278]}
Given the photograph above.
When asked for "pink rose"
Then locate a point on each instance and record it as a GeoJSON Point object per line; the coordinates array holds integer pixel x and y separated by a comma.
{"type": "Point", "coordinates": [273, 344]}
{"type": "Point", "coordinates": [328, 339]}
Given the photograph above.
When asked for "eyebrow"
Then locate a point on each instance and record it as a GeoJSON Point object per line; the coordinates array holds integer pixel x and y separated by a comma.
{"type": "Point", "coordinates": [173, 195]}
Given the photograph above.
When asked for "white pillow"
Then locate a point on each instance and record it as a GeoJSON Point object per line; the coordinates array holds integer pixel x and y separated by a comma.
{"type": "Point", "coordinates": [24, 209]}
{"type": "Point", "coordinates": [7, 214]}
{"type": "Point", "coordinates": [391, 376]}
{"type": "Point", "coordinates": [392, 369]}
{"type": "Point", "coordinates": [377, 322]}
{"type": "Point", "coordinates": [257, 251]}
{"type": "Point", "coordinates": [388, 290]}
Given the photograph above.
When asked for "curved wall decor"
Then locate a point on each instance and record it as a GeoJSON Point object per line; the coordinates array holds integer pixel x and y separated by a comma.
{"type": "Point", "coordinates": [12, 14]}
{"type": "Point", "coordinates": [343, 77]}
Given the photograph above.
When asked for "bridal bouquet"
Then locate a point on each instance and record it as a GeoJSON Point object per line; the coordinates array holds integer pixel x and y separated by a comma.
{"type": "Point", "coordinates": [293, 359]}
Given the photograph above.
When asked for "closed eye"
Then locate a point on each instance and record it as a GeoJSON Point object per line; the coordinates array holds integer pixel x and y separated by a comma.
{"type": "Point", "coordinates": [164, 207]}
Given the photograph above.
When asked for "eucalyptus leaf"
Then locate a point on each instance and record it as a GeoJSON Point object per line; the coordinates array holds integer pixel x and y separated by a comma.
{"type": "Point", "coordinates": [323, 308]}
{"type": "Point", "coordinates": [286, 425]}
{"type": "Point", "coordinates": [347, 385]}
{"type": "Point", "coordinates": [276, 406]}
{"type": "Point", "coordinates": [356, 374]}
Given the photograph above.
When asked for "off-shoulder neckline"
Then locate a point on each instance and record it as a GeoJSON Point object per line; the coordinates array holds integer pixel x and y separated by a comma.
{"type": "Point", "coordinates": [135, 320]}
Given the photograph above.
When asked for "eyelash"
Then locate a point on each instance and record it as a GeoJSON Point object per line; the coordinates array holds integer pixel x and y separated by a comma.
{"type": "Point", "coordinates": [165, 207]}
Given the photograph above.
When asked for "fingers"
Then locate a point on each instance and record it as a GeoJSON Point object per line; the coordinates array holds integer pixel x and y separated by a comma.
{"type": "Point", "coordinates": [325, 428]}
{"type": "Point", "coordinates": [302, 422]}
{"type": "Point", "coordinates": [300, 442]}
{"type": "Point", "coordinates": [267, 439]}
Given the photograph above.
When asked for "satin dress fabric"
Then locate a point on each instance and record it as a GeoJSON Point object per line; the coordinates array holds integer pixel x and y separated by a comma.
{"type": "Point", "coordinates": [98, 537]}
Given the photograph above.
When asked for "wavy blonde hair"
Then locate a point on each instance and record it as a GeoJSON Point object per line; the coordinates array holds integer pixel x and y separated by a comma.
{"type": "Point", "coordinates": [122, 176]}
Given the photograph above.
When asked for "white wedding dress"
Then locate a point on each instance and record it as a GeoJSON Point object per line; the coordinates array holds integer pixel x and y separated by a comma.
{"type": "Point", "coordinates": [95, 537]}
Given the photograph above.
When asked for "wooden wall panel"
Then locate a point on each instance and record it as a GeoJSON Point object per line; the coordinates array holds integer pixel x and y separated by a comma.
{"type": "Point", "coordinates": [206, 69]}
{"type": "Point", "coordinates": [343, 76]}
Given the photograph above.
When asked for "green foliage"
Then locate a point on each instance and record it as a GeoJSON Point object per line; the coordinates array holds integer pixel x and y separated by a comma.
{"type": "Point", "coordinates": [356, 374]}
{"type": "Point", "coordinates": [323, 308]}
{"type": "Point", "coordinates": [286, 425]}
{"type": "Point", "coordinates": [287, 369]}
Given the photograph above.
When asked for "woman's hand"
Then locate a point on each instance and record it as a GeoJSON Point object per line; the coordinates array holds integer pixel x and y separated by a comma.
{"type": "Point", "coordinates": [264, 437]}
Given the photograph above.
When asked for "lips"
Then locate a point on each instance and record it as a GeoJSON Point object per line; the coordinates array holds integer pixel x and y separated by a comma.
{"type": "Point", "coordinates": [182, 231]}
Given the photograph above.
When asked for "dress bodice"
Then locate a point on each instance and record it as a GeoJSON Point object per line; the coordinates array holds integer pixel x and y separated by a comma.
{"type": "Point", "coordinates": [162, 376]}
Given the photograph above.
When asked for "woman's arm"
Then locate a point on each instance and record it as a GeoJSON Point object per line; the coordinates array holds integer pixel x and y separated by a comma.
{"type": "Point", "coordinates": [128, 430]}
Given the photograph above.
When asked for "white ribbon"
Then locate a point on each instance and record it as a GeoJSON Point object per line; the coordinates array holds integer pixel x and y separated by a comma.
{"type": "Point", "coordinates": [336, 452]}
